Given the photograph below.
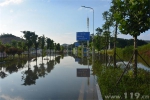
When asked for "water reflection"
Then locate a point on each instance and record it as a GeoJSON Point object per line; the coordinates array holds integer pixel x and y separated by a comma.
{"type": "Point", "coordinates": [31, 75]}
{"type": "Point", "coordinates": [82, 60]}
{"type": "Point", "coordinates": [42, 69]}
{"type": "Point", "coordinates": [122, 62]}
{"type": "Point", "coordinates": [56, 77]}
{"type": "Point", "coordinates": [33, 72]}
{"type": "Point", "coordinates": [11, 67]}
{"type": "Point", "coordinates": [3, 74]}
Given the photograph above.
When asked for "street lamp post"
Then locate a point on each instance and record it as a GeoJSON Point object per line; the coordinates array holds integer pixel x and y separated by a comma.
{"type": "Point", "coordinates": [93, 31]}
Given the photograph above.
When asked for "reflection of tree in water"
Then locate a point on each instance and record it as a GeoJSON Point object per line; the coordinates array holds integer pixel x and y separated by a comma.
{"type": "Point", "coordinates": [83, 61]}
{"type": "Point", "coordinates": [50, 66]}
{"type": "Point", "coordinates": [62, 56]}
{"type": "Point", "coordinates": [11, 67]}
{"type": "Point", "coordinates": [42, 70]}
{"type": "Point", "coordinates": [15, 66]}
{"type": "Point", "coordinates": [3, 74]}
{"type": "Point", "coordinates": [57, 59]}
{"type": "Point", "coordinates": [30, 76]}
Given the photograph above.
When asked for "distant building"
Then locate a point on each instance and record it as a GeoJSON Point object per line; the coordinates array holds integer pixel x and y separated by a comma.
{"type": "Point", "coordinates": [33, 51]}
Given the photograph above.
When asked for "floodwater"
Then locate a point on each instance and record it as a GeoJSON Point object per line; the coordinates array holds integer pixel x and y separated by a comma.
{"type": "Point", "coordinates": [60, 77]}
{"type": "Point", "coordinates": [54, 78]}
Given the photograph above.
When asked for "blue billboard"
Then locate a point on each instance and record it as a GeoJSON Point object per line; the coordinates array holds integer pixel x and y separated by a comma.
{"type": "Point", "coordinates": [83, 36]}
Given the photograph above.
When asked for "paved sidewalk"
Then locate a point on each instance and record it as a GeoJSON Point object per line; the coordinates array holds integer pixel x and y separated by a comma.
{"type": "Point", "coordinates": [89, 90]}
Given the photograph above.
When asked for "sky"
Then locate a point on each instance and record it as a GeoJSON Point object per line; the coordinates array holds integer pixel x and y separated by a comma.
{"type": "Point", "coordinates": [56, 19]}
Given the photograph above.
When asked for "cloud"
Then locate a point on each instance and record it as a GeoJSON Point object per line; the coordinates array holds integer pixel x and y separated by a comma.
{"type": "Point", "coordinates": [11, 11]}
{"type": "Point", "coordinates": [7, 2]}
{"type": "Point", "coordinates": [6, 97]}
{"type": "Point", "coordinates": [144, 36]}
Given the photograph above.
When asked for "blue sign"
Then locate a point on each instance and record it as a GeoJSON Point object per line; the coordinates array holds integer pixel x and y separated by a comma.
{"type": "Point", "coordinates": [83, 36]}
{"type": "Point", "coordinates": [77, 44]}
{"type": "Point", "coordinates": [77, 59]}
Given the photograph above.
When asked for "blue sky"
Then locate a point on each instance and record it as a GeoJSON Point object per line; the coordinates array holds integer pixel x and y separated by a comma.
{"type": "Point", "coordinates": [56, 19]}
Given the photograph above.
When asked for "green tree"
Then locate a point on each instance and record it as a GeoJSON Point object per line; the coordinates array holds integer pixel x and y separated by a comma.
{"type": "Point", "coordinates": [14, 43]}
{"type": "Point", "coordinates": [20, 48]}
{"type": "Point", "coordinates": [35, 42]}
{"type": "Point", "coordinates": [133, 18]}
{"type": "Point", "coordinates": [7, 50]}
{"type": "Point", "coordinates": [97, 39]}
{"type": "Point", "coordinates": [28, 36]}
{"type": "Point", "coordinates": [48, 41]}
{"type": "Point", "coordinates": [51, 45]}
{"type": "Point", "coordinates": [2, 49]}
{"type": "Point", "coordinates": [113, 9]}
{"type": "Point", "coordinates": [42, 44]}
{"type": "Point", "coordinates": [107, 16]}
{"type": "Point", "coordinates": [13, 51]}
{"type": "Point", "coordinates": [62, 49]}
{"type": "Point", "coordinates": [55, 48]}
{"type": "Point", "coordinates": [58, 46]}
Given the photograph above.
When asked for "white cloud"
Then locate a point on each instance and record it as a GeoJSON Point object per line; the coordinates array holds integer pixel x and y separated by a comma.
{"type": "Point", "coordinates": [6, 97]}
{"type": "Point", "coordinates": [48, 0]}
{"type": "Point", "coordinates": [7, 2]}
{"type": "Point", "coordinates": [11, 11]}
{"type": "Point", "coordinates": [144, 36]}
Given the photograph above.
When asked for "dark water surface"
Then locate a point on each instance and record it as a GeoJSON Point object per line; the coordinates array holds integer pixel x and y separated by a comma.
{"type": "Point", "coordinates": [54, 79]}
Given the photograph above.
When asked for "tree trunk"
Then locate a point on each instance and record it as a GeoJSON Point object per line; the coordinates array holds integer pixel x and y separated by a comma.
{"type": "Point", "coordinates": [49, 52]}
{"type": "Point", "coordinates": [28, 53]}
{"type": "Point", "coordinates": [42, 55]}
{"type": "Point", "coordinates": [1, 56]}
{"type": "Point", "coordinates": [115, 44]}
{"type": "Point", "coordinates": [135, 56]}
{"type": "Point", "coordinates": [106, 49]}
{"type": "Point", "coordinates": [36, 52]}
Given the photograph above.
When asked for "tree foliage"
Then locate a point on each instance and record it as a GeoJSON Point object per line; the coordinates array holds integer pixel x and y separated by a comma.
{"type": "Point", "coordinates": [133, 16]}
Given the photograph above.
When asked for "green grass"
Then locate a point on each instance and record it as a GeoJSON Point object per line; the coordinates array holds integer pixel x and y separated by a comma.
{"type": "Point", "coordinates": [108, 77]}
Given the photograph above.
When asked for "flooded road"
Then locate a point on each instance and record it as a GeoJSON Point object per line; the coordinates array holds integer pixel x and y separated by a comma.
{"type": "Point", "coordinates": [54, 79]}
{"type": "Point", "coordinates": [60, 77]}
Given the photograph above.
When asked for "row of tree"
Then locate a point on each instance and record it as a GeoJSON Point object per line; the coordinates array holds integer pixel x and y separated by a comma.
{"type": "Point", "coordinates": [126, 16]}
{"type": "Point", "coordinates": [32, 40]}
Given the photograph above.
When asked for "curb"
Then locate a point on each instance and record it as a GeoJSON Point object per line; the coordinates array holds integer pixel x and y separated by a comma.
{"type": "Point", "coordinates": [98, 92]}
